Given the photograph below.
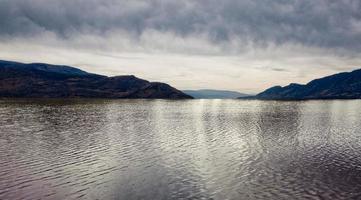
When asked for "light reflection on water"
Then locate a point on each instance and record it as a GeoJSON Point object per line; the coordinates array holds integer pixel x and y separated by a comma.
{"type": "Point", "coordinates": [196, 149]}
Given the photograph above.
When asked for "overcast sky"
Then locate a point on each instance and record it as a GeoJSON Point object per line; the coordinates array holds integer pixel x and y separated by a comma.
{"type": "Point", "coordinates": [243, 45]}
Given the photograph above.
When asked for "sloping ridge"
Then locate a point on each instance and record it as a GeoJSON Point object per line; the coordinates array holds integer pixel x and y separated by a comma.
{"type": "Point", "coordinates": [346, 85]}
{"type": "Point", "coordinates": [214, 94]}
{"type": "Point", "coordinates": [39, 80]}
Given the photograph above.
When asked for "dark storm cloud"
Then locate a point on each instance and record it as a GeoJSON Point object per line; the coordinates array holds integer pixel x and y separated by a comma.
{"type": "Point", "coordinates": [316, 23]}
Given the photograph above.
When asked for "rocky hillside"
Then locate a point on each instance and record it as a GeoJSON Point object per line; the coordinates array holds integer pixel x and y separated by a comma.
{"type": "Point", "coordinates": [38, 80]}
{"type": "Point", "coordinates": [345, 85]}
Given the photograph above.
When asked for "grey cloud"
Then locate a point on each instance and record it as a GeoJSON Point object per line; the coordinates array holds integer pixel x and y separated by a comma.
{"type": "Point", "coordinates": [272, 68]}
{"type": "Point", "coordinates": [315, 23]}
{"type": "Point", "coordinates": [276, 69]}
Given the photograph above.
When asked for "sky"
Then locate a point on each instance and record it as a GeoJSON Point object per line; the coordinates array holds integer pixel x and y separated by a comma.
{"type": "Point", "coordinates": [241, 45]}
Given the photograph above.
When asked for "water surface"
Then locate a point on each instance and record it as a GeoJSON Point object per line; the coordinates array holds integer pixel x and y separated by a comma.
{"type": "Point", "coordinates": [196, 149]}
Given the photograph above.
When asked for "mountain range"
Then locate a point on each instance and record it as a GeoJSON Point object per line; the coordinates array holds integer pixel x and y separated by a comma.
{"type": "Point", "coordinates": [39, 80]}
{"type": "Point", "coordinates": [214, 94]}
{"type": "Point", "coordinates": [346, 85]}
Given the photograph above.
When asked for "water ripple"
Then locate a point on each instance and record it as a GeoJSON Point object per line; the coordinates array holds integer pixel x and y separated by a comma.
{"type": "Point", "coordinates": [199, 149]}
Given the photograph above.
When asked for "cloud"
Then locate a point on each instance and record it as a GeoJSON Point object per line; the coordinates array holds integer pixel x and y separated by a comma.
{"type": "Point", "coordinates": [229, 41]}
{"type": "Point", "coordinates": [321, 23]}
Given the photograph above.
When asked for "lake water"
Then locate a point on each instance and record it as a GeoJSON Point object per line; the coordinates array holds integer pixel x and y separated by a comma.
{"type": "Point", "coordinates": [194, 149]}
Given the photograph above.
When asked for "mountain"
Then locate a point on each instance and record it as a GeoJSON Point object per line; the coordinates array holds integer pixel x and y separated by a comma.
{"type": "Point", "coordinates": [38, 80]}
{"type": "Point", "coordinates": [213, 94]}
{"type": "Point", "coordinates": [345, 85]}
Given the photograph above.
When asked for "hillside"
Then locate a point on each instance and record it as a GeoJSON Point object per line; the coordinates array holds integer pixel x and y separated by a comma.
{"type": "Point", "coordinates": [38, 80]}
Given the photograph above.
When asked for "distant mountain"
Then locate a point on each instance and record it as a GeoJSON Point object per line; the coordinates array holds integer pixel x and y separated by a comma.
{"type": "Point", "coordinates": [41, 67]}
{"type": "Point", "coordinates": [345, 85]}
{"type": "Point", "coordinates": [38, 80]}
{"type": "Point", "coordinates": [214, 94]}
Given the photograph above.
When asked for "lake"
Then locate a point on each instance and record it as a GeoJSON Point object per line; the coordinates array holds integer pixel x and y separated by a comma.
{"type": "Point", "coordinates": [192, 149]}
